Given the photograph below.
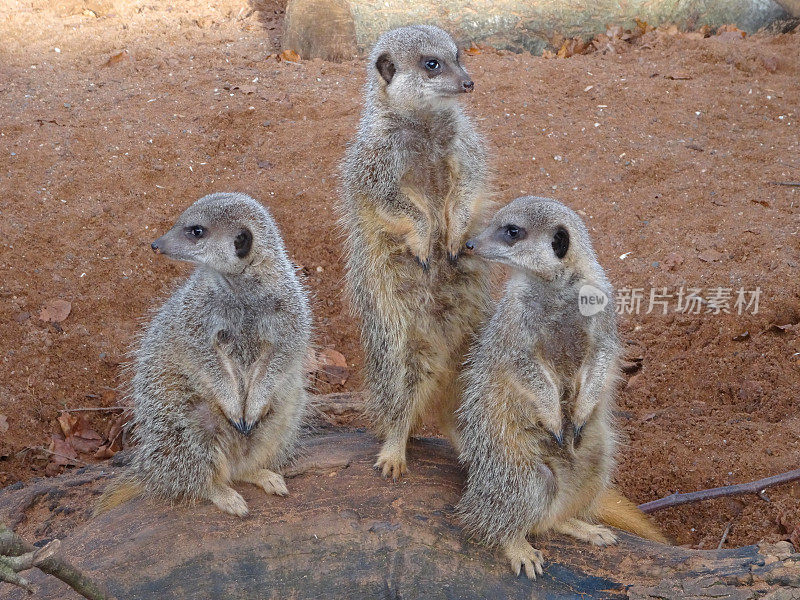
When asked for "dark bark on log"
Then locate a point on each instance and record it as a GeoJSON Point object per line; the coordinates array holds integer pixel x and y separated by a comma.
{"type": "Point", "coordinates": [346, 533]}
{"type": "Point", "coordinates": [340, 29]}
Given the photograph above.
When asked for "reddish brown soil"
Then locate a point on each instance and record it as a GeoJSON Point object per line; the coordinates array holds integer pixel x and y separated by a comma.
{"type": "Point", "coordinates": [669, 156]}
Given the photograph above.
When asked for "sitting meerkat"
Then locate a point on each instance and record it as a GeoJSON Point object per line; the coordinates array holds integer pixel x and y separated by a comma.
{"type": "Point", "coordinates": [414, 184]}
{"type": "Point", "coordinates": [536, 427]}
{"type": "Point", "coordinates": [219, 384]}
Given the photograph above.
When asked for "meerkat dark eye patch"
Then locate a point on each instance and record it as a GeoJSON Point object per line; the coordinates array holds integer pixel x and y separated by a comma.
{"type": "Point", "coordinates": [243, 242]}
{"type": "Point", "coordinates": [561, 242]}
{"type": "Point", "coordinates": [385, 67]}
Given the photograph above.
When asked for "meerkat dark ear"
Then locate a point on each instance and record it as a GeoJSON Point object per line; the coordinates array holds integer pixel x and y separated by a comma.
{"type": "Point", "coordinates": [243, 243]}
{"type": "Point", "coordinates": [561, 242]}
{"type": "Point", "coordinates": [385, 67]}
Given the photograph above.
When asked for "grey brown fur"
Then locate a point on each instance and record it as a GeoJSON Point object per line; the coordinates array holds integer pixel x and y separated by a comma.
{"type": "Point", "coordinates": [535, 423]}
{"type": "Point", "coordinates": [414, 188]}
{"type": "Point", "coordinates": [219, 378]}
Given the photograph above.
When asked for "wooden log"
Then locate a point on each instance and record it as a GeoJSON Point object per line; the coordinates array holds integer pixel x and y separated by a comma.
{"type": "Point", "coordinates": [792, 7]}
{"type": "Point", "coordinates": [345, 533]}
{"type": "Point", "coordinates": [340, 29]}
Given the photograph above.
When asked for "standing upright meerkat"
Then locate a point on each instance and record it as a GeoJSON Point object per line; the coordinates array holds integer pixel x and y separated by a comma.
{"type": "Point", "coordinates": [219, 384]}
{"type": "Point", "coordinates": [536, 427]}
{"type": "Point", "coordinates": [413, 189]}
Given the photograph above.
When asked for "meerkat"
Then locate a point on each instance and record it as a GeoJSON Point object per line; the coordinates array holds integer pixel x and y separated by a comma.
{"type": "Point", "coordinates": [414, 184]}
{"type": "Point", "coordinates": [536, 427]}
{"type": "Point", "coordinates": [219, 383]}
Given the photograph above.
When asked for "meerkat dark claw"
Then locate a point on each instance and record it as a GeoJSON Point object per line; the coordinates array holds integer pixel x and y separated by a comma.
{"type": "Point", "coordinates": [453, 258]}
{"type": "Point", "coordinates": [425, 264]}
{"type": "Point", "coordinates": [577, 435]}
{"type": "Point", "coordinates": [559, 438]}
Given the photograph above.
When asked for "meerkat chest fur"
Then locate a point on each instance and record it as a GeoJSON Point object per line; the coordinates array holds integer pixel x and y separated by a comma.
{"type": "Point", "coordinates": [433, 166]}
{"type": "Point", "coordinates": [241, 315]}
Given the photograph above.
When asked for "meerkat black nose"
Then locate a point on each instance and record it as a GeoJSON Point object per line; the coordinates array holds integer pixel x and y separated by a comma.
{"type": "Point", "coordinates": [467, 85]}
{"type": "Point", "coordinates": [470, 245]}
{"type": "Point", "coordinates": [156, 246]}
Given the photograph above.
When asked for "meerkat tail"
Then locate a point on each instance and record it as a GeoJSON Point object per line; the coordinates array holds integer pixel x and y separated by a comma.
{"type": "Point", "coordinates": [117, 493]}
{"type": "Point", "coordinates": [616, 510]}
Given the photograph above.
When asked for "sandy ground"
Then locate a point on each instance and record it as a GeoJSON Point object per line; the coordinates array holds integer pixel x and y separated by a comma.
{"type": "Point", "coordinates": [116, 116]}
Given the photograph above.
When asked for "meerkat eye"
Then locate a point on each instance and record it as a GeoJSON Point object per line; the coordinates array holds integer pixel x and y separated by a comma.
{"type": "Point", "coordinates": [195, 231]}
{"type": "Point", "coordinates": [560, 242]}
{"type": "Point", "coordinates": [511, 234]}
{"type": "Point", "coordinates": [431, 64]}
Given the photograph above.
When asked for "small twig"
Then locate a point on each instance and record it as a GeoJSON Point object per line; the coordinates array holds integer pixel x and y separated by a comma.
{"type": "Point", "coordinates": [786, 183]}
{"type": "Point", "coordinates": [754, 487]}
{"type": "Point", "coordinates": [64, 456]}
{"type": "Point", "coordinates": [99, 408]}
{"type": "Point", "coordinates": [14, 551]}
{"type": "Point", "coordinates": [725, 535]}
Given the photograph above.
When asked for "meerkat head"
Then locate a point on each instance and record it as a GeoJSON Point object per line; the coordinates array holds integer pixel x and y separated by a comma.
{"type": "Point", "coordinates": [226, 232]}
{"type": "Point", "coordinates": [417, 67]}
{"type": "Point", "coordinates": [540, 237]}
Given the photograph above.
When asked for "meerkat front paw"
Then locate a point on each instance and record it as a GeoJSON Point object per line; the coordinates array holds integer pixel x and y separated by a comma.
{"type": "Point", "coordinates": [523, 556]}
{"type": "Point", "coordinates": [391, 464]}
{"type": "Point", "coordinates": [228, 500]}
{"type": "Point", "coordinates": [270, 481]}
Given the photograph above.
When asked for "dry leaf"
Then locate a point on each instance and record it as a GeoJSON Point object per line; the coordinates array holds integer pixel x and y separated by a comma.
{"type": "Point", "coordinates": [115, 435]}
{"type": "Point", "coordinates": [86, 441]}
{"type": "Point", "coordinates": [473, 50]}
{"type": "Point", "coordinates": [104, 452]}
{"type": "Point", "coordinates": [3, 423]}
{"type": "Point", "coordinates": [55, 311]}
{"type": "Point", "coordinates": [290, 56]}
{"type": "Point", "coordinates": [572, 47]}
{"type": "Point", "coordinates": [67, 421]}
{"type": "Point", "coordinates": [117, 58]}
{"type": "Point", "coordinates": [61, 452]}
{"type": "Point", "coordinates": [79, 434]}
{"type": "Point", "coordinates": [642, 27]}
{"type": "Point", "coordinates": [730, 32]}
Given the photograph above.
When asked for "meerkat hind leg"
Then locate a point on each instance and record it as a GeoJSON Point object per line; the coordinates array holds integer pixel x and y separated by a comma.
{"type": "Point", "coordinates": [228, 500]}
{"type": "Point", "coordinates": [270, 481]}
{"type": "Point", "coordinates": [587, 532]}
{"type": "Point", "coordinates": [523, 556]}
